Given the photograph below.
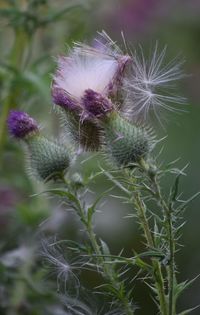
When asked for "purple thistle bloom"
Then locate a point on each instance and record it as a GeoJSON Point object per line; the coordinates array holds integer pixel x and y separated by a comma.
{"type": "Point", "coordinates": [20, 124]}
{"type": "Point", "coordinates": [99, 69]}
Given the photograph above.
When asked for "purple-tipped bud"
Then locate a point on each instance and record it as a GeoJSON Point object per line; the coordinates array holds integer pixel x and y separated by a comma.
{"type": "Point", "coordinates": [96, 104]}
{"type": "Point", "coordinates": [20, 124]}
{"type": "Point", "coordinates": [61, 98]}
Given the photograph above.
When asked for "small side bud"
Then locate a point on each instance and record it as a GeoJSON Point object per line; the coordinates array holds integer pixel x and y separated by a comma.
{"type": "Point", "coordinates": [47, 159]}
{"type": "Point", "coordinates": [125, 142]}
{"type": "Point", "coordinates": [77, 181]}
{"type": "Point", "coordinates": [21, 125]}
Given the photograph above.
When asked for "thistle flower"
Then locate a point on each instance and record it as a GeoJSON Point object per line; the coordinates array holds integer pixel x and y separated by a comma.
{"type": "Point", "coordinates": [87, 68]}
{"type": "Point", "coordinates": [84, 83]}
{"type": "Point", "coordinates": [46, 159]}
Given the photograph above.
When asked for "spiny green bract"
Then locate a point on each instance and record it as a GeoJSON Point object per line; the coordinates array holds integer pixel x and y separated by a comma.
{"type": "Point", "coordinates": [125, 142]}
{"type": "Point", "coordinates": [86, 134]}
{"type": "Point", "coordinates": [47, 159]}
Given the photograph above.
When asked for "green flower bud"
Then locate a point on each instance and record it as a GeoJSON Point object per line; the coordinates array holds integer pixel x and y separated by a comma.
{"type": "Point", "coordinates": [47, 159]}
{"type": "Point", "coordinates": [77, 181]}
{"type": "Point", "coordinates": [125, 142]}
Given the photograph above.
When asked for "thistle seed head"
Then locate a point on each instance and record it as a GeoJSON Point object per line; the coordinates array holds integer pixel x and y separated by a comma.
{"type": "Point", "coordinates": [150, 86]}
{"type": "Point", "coordinates": [99, 69]}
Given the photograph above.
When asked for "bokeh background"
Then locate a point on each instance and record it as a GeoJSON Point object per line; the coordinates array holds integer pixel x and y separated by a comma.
{"type": "Point", "coordinates": [32, 33]}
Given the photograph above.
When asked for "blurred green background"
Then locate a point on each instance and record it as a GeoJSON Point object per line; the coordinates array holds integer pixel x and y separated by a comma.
{"type": "Point", "coordinates": [32, 33]}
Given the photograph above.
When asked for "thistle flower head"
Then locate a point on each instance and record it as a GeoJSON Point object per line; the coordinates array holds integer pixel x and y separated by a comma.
{"type": "Point", "coordinates": [21, 125]}
{"type": "Point", "coordinates": [150, 85]}
{"type": "Point", "coordinates": [46, 159]}
{"type": "Point", "coordinates": [88, 68]}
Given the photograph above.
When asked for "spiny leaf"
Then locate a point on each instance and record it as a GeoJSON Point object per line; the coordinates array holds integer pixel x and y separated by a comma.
{"type": "Point", "coordinates": [175, 186]}
{"type": "Point", "coordinates": [180, 287]}
{"type": "Point", "coordinates": [105, 248]}
{"type": "Point", "coordinates": [185, 203]}
{"type": "Point", "coordinates": [59, 192]}
{"type": "Point", "coordinates": [91, 209]}
{"type": "Point", "coordinates": [116, 182]}
{"type": "Point", "coordinates": [188, 311]}
{"type": "Point", "coordinates": [72, 245]}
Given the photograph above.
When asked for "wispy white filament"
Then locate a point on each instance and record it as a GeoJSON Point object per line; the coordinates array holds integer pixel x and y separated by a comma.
{"type": "Point", "coordinates": [55, 258]}
{"type": "Point", "coordinates": [88, 67]}
{"type": "Point", "coordinates": [80, 72]}
{"type": "Point", "coordinates": [150, 85]}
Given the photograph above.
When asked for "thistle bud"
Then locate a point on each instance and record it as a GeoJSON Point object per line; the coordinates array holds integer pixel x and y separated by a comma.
{"type": "Point", "coordinates": [125, 142]}
{"type": "Point", "coordinates": [21, 125]}
{"type": "Point", "coordinates": [47, 159]}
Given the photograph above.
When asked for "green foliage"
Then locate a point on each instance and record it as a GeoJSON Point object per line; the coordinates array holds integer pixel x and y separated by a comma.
{"type": "Point", "coordinates": [157, 262]}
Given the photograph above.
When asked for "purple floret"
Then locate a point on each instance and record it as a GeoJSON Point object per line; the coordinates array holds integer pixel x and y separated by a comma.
{"type": "Point", "coordinates": [61, 98]}
{"type": "Point", "coordinates": [20, 124]}
{"type": "Point", "coordinates": [96, 104]}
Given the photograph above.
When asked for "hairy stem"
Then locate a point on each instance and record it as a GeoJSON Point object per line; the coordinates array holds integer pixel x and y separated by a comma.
{"type": "Point", "coordinates": [108, 270]}
{"type": "Point", "coordinates": [108, 273]}
{"type": "Point", "coordinates": [168, 214]}
{"type": "Point", "coordinates": [157, 274]}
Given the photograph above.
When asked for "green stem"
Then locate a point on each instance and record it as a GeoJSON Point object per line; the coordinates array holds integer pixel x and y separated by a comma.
{"type": "Point", "coordinates": [109, 274]}
{"type": "Point", "coordinates": [171, 278]}
{"type": "Point", "coordinates": [107, 271]}
{"type": "Point", "coordinates": [157, 275]}
{"type": "Point", "coordinates": [167, 210]}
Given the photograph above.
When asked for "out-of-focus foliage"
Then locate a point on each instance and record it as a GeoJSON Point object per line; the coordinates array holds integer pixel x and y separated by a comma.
{"type": "Point", "coordinates": [32, 33]}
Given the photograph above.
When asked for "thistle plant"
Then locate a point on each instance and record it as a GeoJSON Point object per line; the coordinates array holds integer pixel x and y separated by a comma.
{"type": "Point", "coordinates": [104, 97]}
